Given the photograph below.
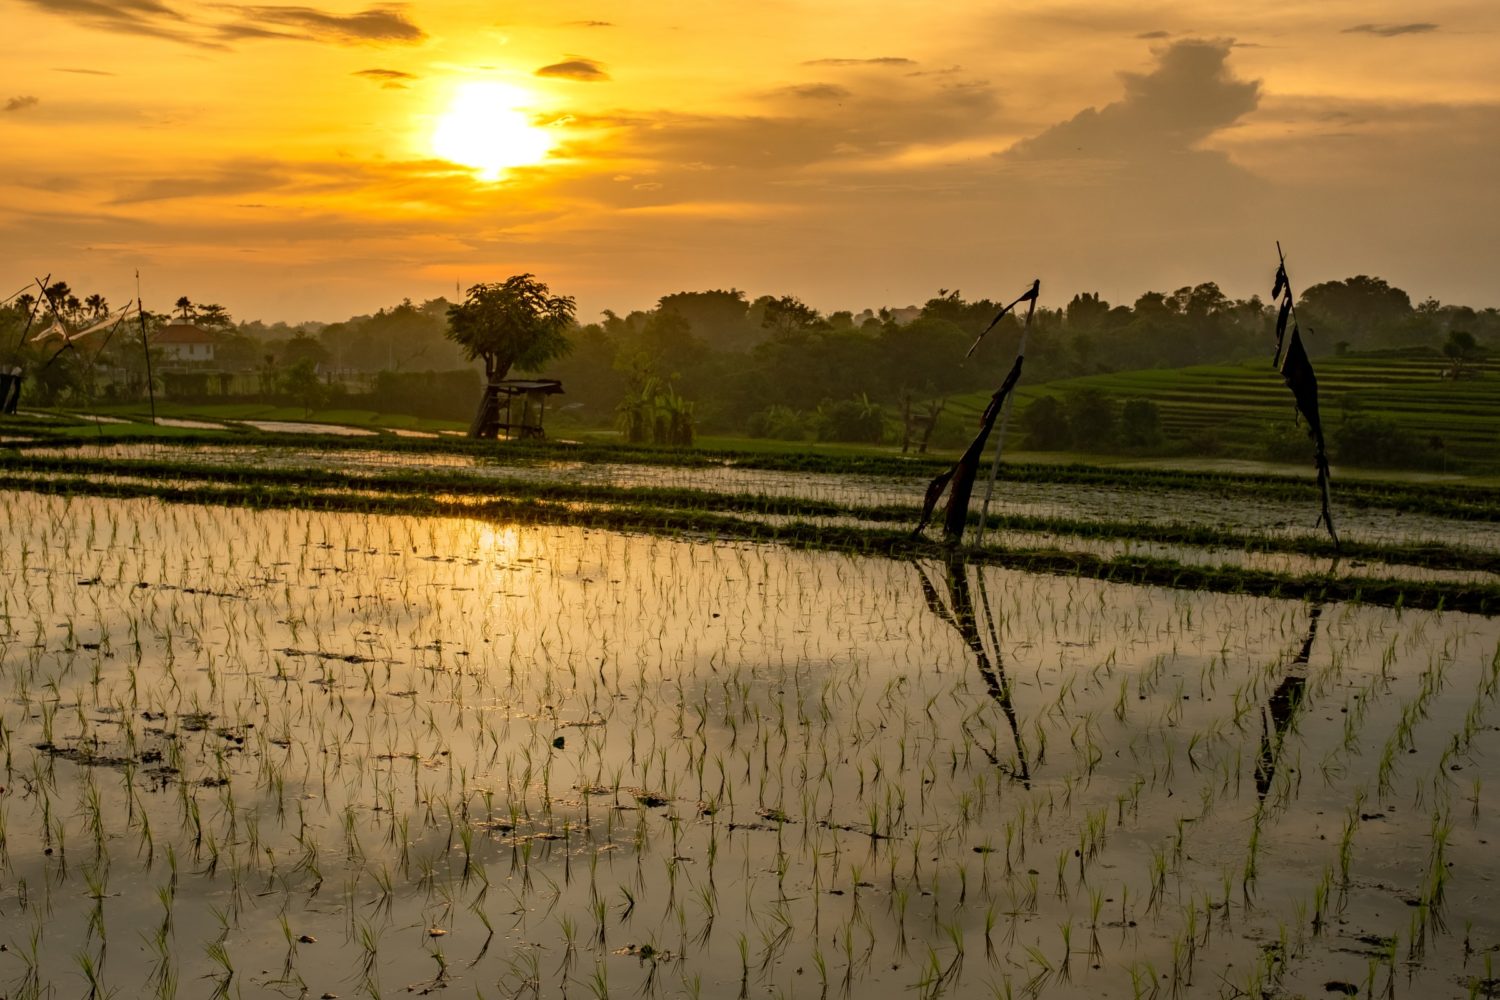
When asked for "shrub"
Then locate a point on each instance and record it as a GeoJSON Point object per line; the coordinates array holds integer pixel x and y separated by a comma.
{"type": "Point", "coordinates": [779, 423]}
{"type": "Point", "coordinates": [1140, 424]}
{"type": "Point", "coordinates": [1380, 443]}
{"type": "Point", "coordinates": [655, 414]}
{"type": "Point", "coordinates": [1285, 441]}
{"type": "Point", "coordinates": [854, 420]}
{"type": "Point", "coordinates": [1091, 419]}
{"type": "Point", "coordinates": [953, 432]}
{"type": "Point", "coordinates": [450, 395]}
{"type": "Point", "coordinates": [1045, 422]}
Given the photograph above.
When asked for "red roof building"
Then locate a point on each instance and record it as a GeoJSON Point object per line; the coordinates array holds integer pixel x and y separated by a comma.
{"type": "Point", "coordinates": [185, 342]}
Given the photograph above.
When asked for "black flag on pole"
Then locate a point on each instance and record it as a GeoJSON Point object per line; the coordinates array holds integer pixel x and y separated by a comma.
{"type": "Point", "coordinates": [966, 469]}
{"type": "Point", "coordinates": [1297, 372]}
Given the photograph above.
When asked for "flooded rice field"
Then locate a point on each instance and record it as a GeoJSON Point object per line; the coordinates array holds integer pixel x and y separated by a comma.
{"type": "Point", "coordinates": [1147, 504]}
{"type": "Point", "coordinates": [294, 753]}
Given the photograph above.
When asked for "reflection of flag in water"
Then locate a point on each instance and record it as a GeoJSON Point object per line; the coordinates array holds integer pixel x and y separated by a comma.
{"type": "Point", "coordinates": [1297, 372]}
{"type": "Point", "coordinates": [963, 617]}
{"type": "Point", "coordinates": [961, 476]}
{"type": "Point", "coordinates": [1283, 705]}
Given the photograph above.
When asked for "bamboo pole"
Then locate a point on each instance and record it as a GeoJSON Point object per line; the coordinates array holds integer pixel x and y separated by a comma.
{"type": "Point", "coordinates": [989, 486]}
{"type": "Point", "coordinates": [145, 347]}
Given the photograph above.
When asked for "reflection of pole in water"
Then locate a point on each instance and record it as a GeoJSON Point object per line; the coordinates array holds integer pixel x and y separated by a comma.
{"type": "Point", "coordinates": [1282, 708]}
{"type": "Point", "coordinates": [962, 615]}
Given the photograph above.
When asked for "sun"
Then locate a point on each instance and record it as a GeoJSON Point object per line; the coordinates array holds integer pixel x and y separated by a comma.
{"type": "Point", "coordinates": [485, 128]}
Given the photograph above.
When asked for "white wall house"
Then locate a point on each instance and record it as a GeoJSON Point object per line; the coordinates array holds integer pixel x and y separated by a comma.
{"type": "Point", "coordinates": [184, 342]}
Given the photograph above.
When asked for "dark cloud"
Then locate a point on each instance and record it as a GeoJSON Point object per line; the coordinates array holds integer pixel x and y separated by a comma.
{"type": "Point", "coordinates": [1147, 36]}
{"type": "Point", "coordinates": [953, 70]}
{"type": "Point", "coordinates": [1391, 30]}
{"type": "Point", "coordinates": [55, 183]}
{"type": "Point", "coordinates": [233, 178]}
{"type": "Point", "coordinates": [130, 17]}
{"type": "Point", "coordinates": [817, 92]}
{"type": "Point", "coordinates": [877, 61]}
{"type": "Point", "coordinates": [22, 102]}
{"type": "Point", "coordinates": [374, 24]}
{"type": "Point", "coordinates": [1189, 95]}
{"type": "Point", "coordinates": [244, 30]}
{"type": "Point", "coordinates": [390, 79]}
{"type": "Point", "coordinates": [575, 68]}
{"type": "Point", "coordinates": [118, 10]}
{"type": "Point", "coordinates": [381, 23]}
{"type": "Point", "coordinates": [796, 136]}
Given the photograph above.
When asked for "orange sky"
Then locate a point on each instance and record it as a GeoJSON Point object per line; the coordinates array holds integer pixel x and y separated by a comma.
{"type": "Point", "coordinates": [280, 160]}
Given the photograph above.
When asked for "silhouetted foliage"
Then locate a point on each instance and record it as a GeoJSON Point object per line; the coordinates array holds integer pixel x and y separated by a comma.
{"type": "Point", "coordinates": [1045, 422]}
{"type": "Point", "coordinates": [653, 413]}
{"type": "Point", "coordinates": [304, 348]}
{"type": "Point", "coordinates": [405, 337]}
{"type": "Point", "coordinates": [517, 323]}
{"type": "Point", "coordinates": [1091, 419]}
{"type": "Point", "coordinates": [1376, 442]}
{"type": "Point", "coordinates": [1140, 424]}
{"type": "Point", "coordinates": [779, 423]}
{"type": "Point", "coordinates": [301, 382]}
{"type": "Point", "coordinates": [854, 420]}
{"type": "Point", "coordinates": [450, 395]}
{"type": "Point", "coordinates": [1362, 310]}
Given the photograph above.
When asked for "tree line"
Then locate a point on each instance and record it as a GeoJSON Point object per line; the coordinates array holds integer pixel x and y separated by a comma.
{"type": "Point", "coordinates": [774, 365]}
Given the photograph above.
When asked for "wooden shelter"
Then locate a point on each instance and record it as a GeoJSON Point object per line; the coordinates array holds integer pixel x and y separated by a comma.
{"type": "Point", "coordinates": [514, 408]}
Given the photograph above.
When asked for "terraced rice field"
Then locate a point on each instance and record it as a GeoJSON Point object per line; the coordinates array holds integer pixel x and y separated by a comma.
{"type": "Point", "coordinates": [1235, 403]}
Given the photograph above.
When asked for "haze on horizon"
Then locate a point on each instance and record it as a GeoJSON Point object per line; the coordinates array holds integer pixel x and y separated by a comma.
{"type": "Point", "coordinates": [295, 162]}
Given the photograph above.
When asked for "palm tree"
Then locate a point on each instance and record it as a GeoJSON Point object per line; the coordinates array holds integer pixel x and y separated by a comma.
{"type": "Point", "coordinates": [97, 304]}
{"type": "Point", "coordinates": [57, 295]}
{"type": "Point", "coordinates": [185, 306]}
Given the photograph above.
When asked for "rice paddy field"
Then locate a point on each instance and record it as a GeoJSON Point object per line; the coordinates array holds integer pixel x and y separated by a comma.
{"type": "Point", "coordinates": [333, 721]}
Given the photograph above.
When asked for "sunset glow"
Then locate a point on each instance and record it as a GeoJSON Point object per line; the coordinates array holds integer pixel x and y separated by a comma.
{"type": "Point", "coordinates": [485, 128]}
{"type": "Point", "coordinates": [306, 162]}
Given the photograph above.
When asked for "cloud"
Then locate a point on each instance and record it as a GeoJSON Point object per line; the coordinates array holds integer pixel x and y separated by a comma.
{"type": "Point", "coordinates": [877, 61]}
{"type": "Point", "coordinates": [381, 23]}
{"type": "Point", "coordinates": [1189, 95]}
{"type": "Point", "coordinates": [1391, 30]}
{"type": "Point", "coordinates": [591, 24]}
{"type": "Point", "coordinates": [796, 133]}
{"type": "Point", "coordinates": [817, 92]}
{"type": "Point", "coordinates": [22, 102]}
{"type": "Point", "coordinates": [85, 72]}
{"type": "Point", "coordinates": [390, 79]}
{"type": "Point", "coordinates": [234, 178]}
{"type": "Point", "coordinates": [575, 68]}
{"type": "Point", "coordinates": [130, 17]}
{"type": "Point", "coordinates": [374, 24]}
{"type": "Point", "coordinates": [1147, 36]}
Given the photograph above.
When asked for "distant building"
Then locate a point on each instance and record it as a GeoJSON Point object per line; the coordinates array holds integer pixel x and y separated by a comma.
{"type": "Point", "coordinates": [185, 343]}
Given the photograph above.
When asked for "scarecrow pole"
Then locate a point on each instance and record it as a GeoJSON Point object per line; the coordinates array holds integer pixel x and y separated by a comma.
{"type": "Point", "coordinates": [145, 347]}
{"type": "Point", "coordinates": [989, 486]}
